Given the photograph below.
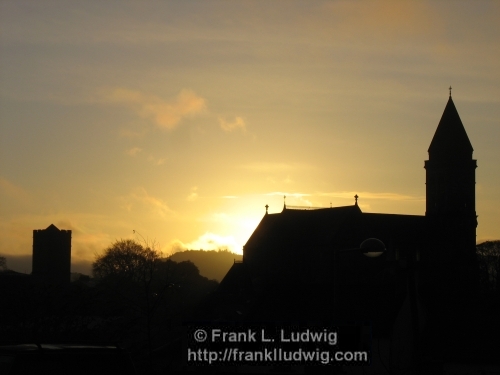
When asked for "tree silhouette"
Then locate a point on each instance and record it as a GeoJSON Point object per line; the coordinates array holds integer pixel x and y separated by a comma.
{"type": "Point", "coordinates": [489, 265]}
{"type": "Point", "coordinates": [147, 290]}
{"type": "Point", "coordinates": [129, 270]}
{"type": "Point", "coordinates": [126, 260]}
{"type": "Point", "coordinates": [3, 264]}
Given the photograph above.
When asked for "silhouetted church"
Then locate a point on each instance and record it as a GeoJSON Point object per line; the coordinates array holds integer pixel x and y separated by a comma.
{"type": "Point", "coordinates": [293, 268]}
{"type": "Point", "coordinates": [52, 255]}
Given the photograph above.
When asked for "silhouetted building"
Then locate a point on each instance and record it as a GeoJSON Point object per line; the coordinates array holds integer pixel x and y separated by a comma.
{"type": "Point", "coordinates": [52, 255]}
{"type": "Point", "coordinates": [296, 271]}
{"type": "Point", "coordinates": [298, 244]}
{"type": "Point", "coordinates": [450, 180]}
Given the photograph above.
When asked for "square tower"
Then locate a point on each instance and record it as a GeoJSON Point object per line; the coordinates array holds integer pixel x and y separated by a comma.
{"type": "Point", "coordinates": [52, 255]}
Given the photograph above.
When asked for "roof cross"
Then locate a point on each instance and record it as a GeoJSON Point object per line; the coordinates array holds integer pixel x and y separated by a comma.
{"type": "Point", "coordinates": [450, 91]}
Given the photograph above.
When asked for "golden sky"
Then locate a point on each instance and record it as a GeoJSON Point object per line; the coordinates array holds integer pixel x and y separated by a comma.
{"type": "Point", "coordinates": [182, 120]}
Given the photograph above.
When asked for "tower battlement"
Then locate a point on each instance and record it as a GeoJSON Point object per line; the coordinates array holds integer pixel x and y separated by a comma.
{"type": "Point", "coordinates": [52, 254]}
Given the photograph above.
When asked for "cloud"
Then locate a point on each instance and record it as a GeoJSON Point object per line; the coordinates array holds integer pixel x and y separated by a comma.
{"type": "Point", "coordinates": [293, 199]}
{"type": "Point", "coordinates": [295, 195]}
{"type": "Point", "coordinates": [193, 195]}
{"type": "Point", "coordinates": [382, 19]}
{"type": "Point", "coordinates": [238, 123]}
{"type": "Point", "coordinates": [156, 161]}
{"type": "Point", "coordinates": [218, 217]}
{"type": "Point", "coordinates": [14, 191]}
{"type": "Point", "coordinates": [300, 201]}
{"type": "Point", "coordinates": [140, 196]}
{"type": "Point", "coordinates": [151, 158]}
{"type": "Point", "coordinates": [127, 133]}
{"type": "Point", "coordinates": [274, 167]}
{"type": "Point", "coordinates": [207, 241]}
{"type": "Point", "coordinates": [166, 114]}
{"type": "Point", "coordinates": [134, 151]}
{"type": "Point", "coordinates": [307, 199]}
{"type": "Point", "coordinates": [369, 195]}
{"type": "Point", "coordinates": [221, 217]}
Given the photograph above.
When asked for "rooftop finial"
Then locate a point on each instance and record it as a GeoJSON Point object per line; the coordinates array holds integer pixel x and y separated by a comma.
{"type": "Point", "coordinates": [284, 201]}
{"type": "Point", "coordinates": [267, 206]}
{"type": "Point", "coordinates": [356, 199]}
{"type": "Point", "coordinates": [450, 91]}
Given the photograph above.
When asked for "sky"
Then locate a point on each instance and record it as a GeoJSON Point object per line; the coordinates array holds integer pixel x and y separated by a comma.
{"type": "Point", "coordinates": [181, 120]}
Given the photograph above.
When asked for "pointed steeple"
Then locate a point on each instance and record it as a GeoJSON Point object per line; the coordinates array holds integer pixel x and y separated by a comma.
{"type": "Point", "coordinates": [450, 176]}
{"type": "Point", "coordinates": [450, 141]}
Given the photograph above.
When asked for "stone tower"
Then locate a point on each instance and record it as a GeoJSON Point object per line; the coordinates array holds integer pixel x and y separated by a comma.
{"type": "Point", "coordinates": [52, 255]}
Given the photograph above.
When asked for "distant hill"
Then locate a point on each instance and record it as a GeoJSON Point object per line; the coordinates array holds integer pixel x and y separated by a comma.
{"type": "Point", "coordinates": [212, 264]}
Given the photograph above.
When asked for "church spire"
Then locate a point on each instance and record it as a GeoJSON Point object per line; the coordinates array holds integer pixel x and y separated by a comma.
{"type": "Point", "coordinates": [450, 141]}
{"type": "Point", "coordinates": [450, 170]}
{"type": "Point", "coordinates": [451, 195]}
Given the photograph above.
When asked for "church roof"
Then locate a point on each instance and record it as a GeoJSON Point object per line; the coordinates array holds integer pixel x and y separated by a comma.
{"type": "Point", "coordinates": [450, 139]}
{"type": "Point", "coordinates": [301, 227]}
{"type": "Point", "coordinates": [337, 227]}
